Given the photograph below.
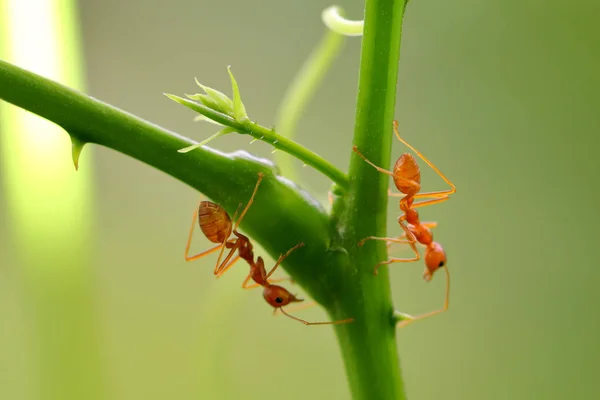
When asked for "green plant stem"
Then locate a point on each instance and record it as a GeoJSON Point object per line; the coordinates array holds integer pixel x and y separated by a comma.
{"type": "Point", "coordinates": [301, 90]}
{"type": "Point", "coordinates": [269, 136]}
{"type": "Point", "coordinates": [225, 178]}
{"type": "Point", "coordinates": [369, 348]}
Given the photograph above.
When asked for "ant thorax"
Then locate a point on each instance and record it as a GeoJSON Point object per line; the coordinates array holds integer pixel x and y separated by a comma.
{"type": "Point", "coordinates": [258, 272]}
{"type": "Point", "coordinates": [411, 215]}
{"type": "Point", "coordinates": [421, 233]}
{"type": "Point", "coordinates": [245, 248]}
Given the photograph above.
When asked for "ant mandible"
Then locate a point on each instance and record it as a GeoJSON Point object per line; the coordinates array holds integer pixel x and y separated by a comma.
{"type": "Point", "coordinates": [217, 226]}
{"type": "Point", "coordinates": [407, 178]}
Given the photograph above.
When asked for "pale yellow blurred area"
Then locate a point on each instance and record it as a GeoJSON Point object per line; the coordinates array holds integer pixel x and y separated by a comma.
{"type": "Point", "coordinates": [502, 96]}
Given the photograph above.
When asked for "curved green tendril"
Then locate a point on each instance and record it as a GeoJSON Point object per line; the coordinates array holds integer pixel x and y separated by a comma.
{"type": "Point", "coordinates": [334, 20]}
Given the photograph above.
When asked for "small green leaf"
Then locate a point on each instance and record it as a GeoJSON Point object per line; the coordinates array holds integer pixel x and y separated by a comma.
{"type": "Point", "coordinates": [77, 147]}
{"type": "Point", "coordinates": [239, 111]}
{"type": "Point", "coordinates": [222, 132]}
{"type": "Point", "coordinates": [214, 99]}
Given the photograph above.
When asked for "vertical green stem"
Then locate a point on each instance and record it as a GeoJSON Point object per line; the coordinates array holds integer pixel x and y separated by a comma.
{"type": "Point", "coordinates": [368, 346]}
{"type": "Point", "coordinates": [49, 207]}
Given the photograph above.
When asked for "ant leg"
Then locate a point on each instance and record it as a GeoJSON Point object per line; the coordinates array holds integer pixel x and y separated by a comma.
{"type": "Point", "coordinates": [392, 260]}
{"type": "Point", "coordinates": [386, 239]}
{"type": "Point", "coordinates": [191, 233]}
{"type": "Point", "coordinates": [410, 241]}
{"type": "Point", "coordinates": [430, 201]}
{"type": "Point", "coordinates": [338, 322]}
{"type": "Point", "coordinates": [392, 194]}
{"type": "Point", "coordinates": [245, 284]}
{"type": "Point", "coordinates": [276, 280]}
{"type": "Point", "coordinates": [390, 241]}
{"type": "Point", "coordinates": [204, 253]}
{"type": "Point", "coordinates": [399, 239]}
{"type": "Point", "coordinates": [226, 267]}
{"type": "Point", "coordinates": [237, 210]}
{"type": "Point", "coordinates": [283, 257]}
{"type": "Point", "coordinates": [383, 171]}
{"type": "Point", "coordinates": [219, 266]}
{"type": "Point", "coordinates": [299, 307]}
{"type": "Point", "coordinates": [237, 223]}
{"type": "Point", "coordinates": [430, 194]}
{"type": "Point", "coordinates": [410, 320]}
{"type": "Point", "coordinates": [255, 285]}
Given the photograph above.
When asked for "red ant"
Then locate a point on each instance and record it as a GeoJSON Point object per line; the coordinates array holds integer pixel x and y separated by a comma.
{"type": "Point", "coordinates": [407, 178]}
{"type": "Point", "coordinates": [217, 226]}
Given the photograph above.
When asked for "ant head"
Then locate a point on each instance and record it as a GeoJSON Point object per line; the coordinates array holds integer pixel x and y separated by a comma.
{"type": "Point", "coordinates": [435, 258]}
{"type": "Point", "coordinates": [278, 296]}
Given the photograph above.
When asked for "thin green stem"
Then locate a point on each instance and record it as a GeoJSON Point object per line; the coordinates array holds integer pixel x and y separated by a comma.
{"type": "Point", "coordinates": [269, 136]}
{"type": "Point", "coordinates": [301, 90]}
{"type": "Point", "coordinates": [334, 20]}
{"type": "Point", "coordinates": [369, 347]}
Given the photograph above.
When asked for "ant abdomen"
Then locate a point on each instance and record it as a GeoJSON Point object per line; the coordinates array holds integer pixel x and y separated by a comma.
{"type": "Point", "coordinates": [278, 296]}
{"type": "Point", "coordinates": [407, 175]}
{"type": "Point", "coordinates": [214, 221]}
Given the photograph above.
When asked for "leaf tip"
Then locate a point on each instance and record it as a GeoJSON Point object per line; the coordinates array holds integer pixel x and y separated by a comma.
{"type": "Point", "coordinates": [171, 96]}
{"type": "Point", "coordinates": [239, 111]}
{"type": "Point", "coordinates": [201, 86]}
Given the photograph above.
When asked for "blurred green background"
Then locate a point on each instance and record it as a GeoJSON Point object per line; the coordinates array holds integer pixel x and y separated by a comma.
{"type": "Point", "coordinates": [502, 96]}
